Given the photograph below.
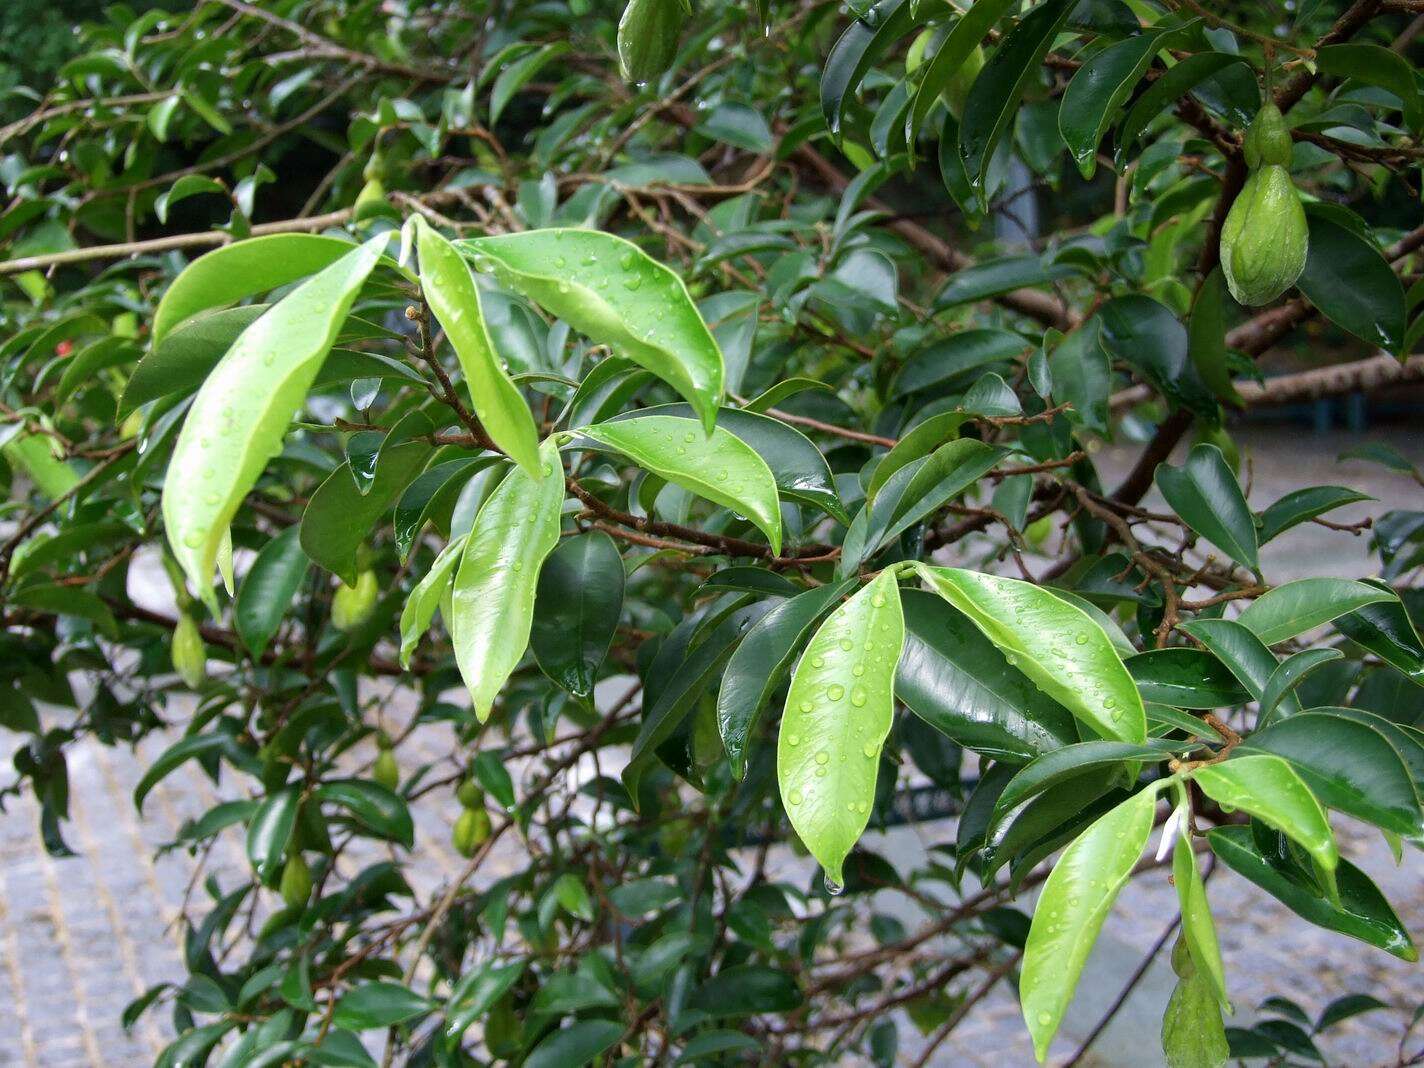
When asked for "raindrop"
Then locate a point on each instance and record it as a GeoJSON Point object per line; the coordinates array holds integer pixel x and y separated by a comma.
{"type": "Point", "coordinates": [847, 644]}
{"type": "Point", "coordinates": [794, 797]}
{"type": "Point", "coordinates": [878, 600]}
{"type": "Point", "coordinates": [627, 261]}
{"type": "Point", "coordinates": [633, 281]}
{"type": "Point", "coordinates": [1082, 638]}
{"type": "Point", "coordinates": [833, 888]}
{"type": "Point", "coordinates": [818, 661]}
{"type": "Point", "coordinates": [857, 697]}
{"type": "Point", "coordinates": [869, 750]}
{"type": "Point", "coordinates": [823, 757]}
{"type": "Point", "coordinates": [793, 740]}
{"type": "Point", "coordinates": [858, 670]}
{"type": "Point", "coordinates": [835, 691]}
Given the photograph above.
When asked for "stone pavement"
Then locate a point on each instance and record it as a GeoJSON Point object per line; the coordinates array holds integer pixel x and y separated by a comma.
{"type": "Point", "coordinates": [80, 937]}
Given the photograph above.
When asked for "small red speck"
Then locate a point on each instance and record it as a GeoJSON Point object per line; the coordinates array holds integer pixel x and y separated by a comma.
{"type": "Point", "coordinates": [63, 349]}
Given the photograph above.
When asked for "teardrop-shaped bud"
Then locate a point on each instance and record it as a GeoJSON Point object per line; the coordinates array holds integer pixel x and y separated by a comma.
{"type": "Point", "coordinates": [385, 770]}
{"type": "Point", "coordinates": [1268, 140]}
{"type": "Point", "coordinates": [470, 795]}
{"type": "Point", "coordinates": [647, 38]}
{"type": "Point", "coordinates": [471, 831]}
{"type": "Point", "coordinates": [190, 656]}
{"type": "Point", "coordinates": [296, 884]}
{"type": "Point", "coordinates": [1265, 238]}
{"type": "Point", "coordinates": [352, 605]}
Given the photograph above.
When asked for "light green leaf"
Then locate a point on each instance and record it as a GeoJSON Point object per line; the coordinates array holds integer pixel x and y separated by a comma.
{"type": "Point", "coordinates": [1296, 607]}
{"type": "Point", "coordinates": [1056, 644]}
{"type": "Point", "coordinates": [1197, 926]}
{"type": "Point", "coordinates": [1070, 912]}
{"type": "Point", "coordinates": [243, 269]}
{"type": "Point", "coordinates": [718, 466]}
{"type": "Point", "coordinates": [839, 709]}
{"type": "Point", "coordinates": [612, 291]}
{"type": "Point", "coordinates": [492, 604]}
{"type": "Point", "coordinates": [426, 597]}
{"type": "Point", "coordinates": [450, 290]}
{"type": "Point", "coordinates": [240, 415]}
{"type": "Point", "coordinates": [1268, 788]}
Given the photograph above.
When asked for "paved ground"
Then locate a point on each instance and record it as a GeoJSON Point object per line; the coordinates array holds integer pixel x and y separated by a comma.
{"type": "Point", "coordinates": [80, 937]}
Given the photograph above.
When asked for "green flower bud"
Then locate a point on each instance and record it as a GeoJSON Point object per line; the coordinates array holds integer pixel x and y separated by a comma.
{"type": "Point", "coordinates": [471, 831]}
{"type": "Point", "coordinates": [1264, 239]}
{"type": "Point", "coordinates": [385, 770]}
{"type": "Point", "coordinates": [353, 605]}
{"type": "Point", "coordinates": [470, 795]}
{"type": "Point", "coordinates": [190, 656]}
{"type": "Point", "coordinates": [647, 38]}
{"type": "Point", "coordinates": [296, 884]}
{"type": "Point", "coordinates": [1268, 141]}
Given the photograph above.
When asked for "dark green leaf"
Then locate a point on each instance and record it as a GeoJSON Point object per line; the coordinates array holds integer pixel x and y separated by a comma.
{"type": "Point", "coordinates": [1205, 493]}
{"type": "Point", "coordinates": [576, 609]}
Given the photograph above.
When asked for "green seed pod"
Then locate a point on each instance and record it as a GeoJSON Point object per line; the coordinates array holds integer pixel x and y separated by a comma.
{"type": "Point", "coordinates": [1268, 141]}
{"type": "Point", "coordinates": [353, 605]}
{"type": "Point", "coordinates": [385, 770]}
{"type": "Point", "coordinates": [470, 795]}
{"type": "Point", "coordinates": [1264, 239]}
{"type": "Point", "coordinates": [296, 884]}
{"type": "Point", "coordinates": [647, 38]}
{"type": "Point", "coordinates": [190, 656]}
{"type": "Point", "coordinates": [471, 831]}
{"type": "Point", "coordinates": [371, 200]}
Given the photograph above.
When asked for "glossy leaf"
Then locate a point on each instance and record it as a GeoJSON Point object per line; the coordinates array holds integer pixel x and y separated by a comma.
{"type": "Point", "coordinates": [1267, 788]}
{"type": "Point", "coordinates": [1186, 678]}
{"type": "Point", "coordinates": [612, 291]}
{"type": "Point", "coordinates": [956, 680]}
{"type": "Point", "coordinates": [1244, 655]}
{"type": "Point", "coordinates": [1070, 912]}
{"type": "Point", "coordinates": [267, 590]}
{"type": "Point", "coordinates": [995, 95]}
{"type": "Point", "coordinates": [1362, 911]}
{"type": "Point", "coordinates": [450, 290]}
{"type": "Point", "coordinates": [959, 354]}
{"type": "Point", "coordinates": [1302, 505]}
{"type": "Point", "coordinates": [761, 662]}
{"type": "Point", "coordinates": [799, 468]}
{"type": "Point", "coordinates": [1296, 607]}
{"type": "Point", "coordinates": [1056, 644]}
{"type": "Point", "coordinates": [492, 601]}
{"type": "Point", "coordinates": [1050, 769]}
{"type": "Point", "coordinates": [1205, 493]}
{"type": "Point", "coordinates": [1099, 88]}
{"type": "Point", "coordinates": [243, 269]}
{"type": "Point", "coordinates": [964, 36]}
{"type": "Point", "coordinates": [427, 596]}
{"type": "Point", "coordinates": [476, 993]}
{"type": "Point", "coordinates": [839, 710]}
{"type": "Point", "coordinates": [339, 518]}
{"type": "Point", "coordinates": [1352, 284]}
{"type": "Point", "coordinates": [996, 277]}
{"type": "Point", "coordinates": [270, 830]}
{"type": "Point", "coordinates": [1176, 82]}
{"type": "Point", "coordinates": [720, 466]}
{"type": "Point", "coordinates": [378, 808]}
{"type": "Point", "coordinates": [378, 1004]}
{"type": "Point", "coordinates": [856, 51]}
{"type": "Point", "coordinates": [1349, 765]}
{"type": "Point", "coordinates": [1293, 671]}
{"type": "Point", "coordinates": [240, 415]}
{"type": "Point", "coordinates": [1376, 65]}
{"type": "Point", "coordinates": [1197, 927]}
{"type": "Point", "coordinates": [1385, 629]}
{"type": "Point", "coordinates": [576, 609]}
